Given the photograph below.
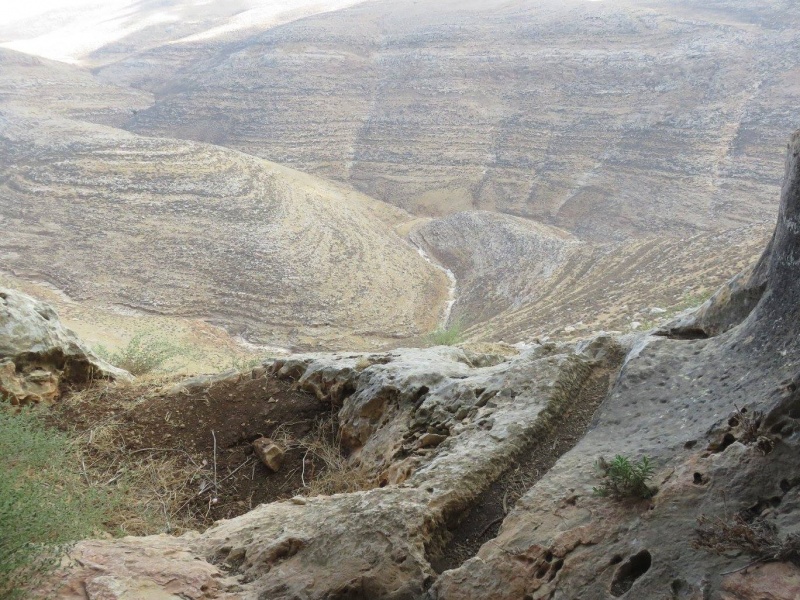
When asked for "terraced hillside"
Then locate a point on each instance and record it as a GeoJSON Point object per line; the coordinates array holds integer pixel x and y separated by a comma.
{"type": "Point", "coordinates": [625, 286]}
{"type": "Point", "coordinates": [608, 119]}
{"type": "Point", "coordinates": [174, 227]}
{"type": "Point", "coordinates": [516, 279]}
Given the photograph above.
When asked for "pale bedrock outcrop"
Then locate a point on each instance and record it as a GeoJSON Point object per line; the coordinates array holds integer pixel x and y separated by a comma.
{"type": "Point", "coordinates": [671, 402]}
{"type": "Point", "coordinates": [38, 354]}
{"type": "Point", "coordinates": [375, 544]}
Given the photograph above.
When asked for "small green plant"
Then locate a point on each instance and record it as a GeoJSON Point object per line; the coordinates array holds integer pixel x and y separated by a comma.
{"type": "Point", "coordinates": [44, 503]}
{"type": "Point", "coordinates": [143, 354]}
{"type": "Point", "coordinates": [625, 479]}
{"type": "Point", "coordinates": [448, 335]}
{"type": "Point", "coordinates": [246, 363]}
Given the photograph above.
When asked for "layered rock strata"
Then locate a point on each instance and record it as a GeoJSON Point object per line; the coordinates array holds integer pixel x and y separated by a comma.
{"type": "Point", "coordinates": [680, 402]}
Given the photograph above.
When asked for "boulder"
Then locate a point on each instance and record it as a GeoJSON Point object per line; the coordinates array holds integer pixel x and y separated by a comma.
{"type": "Point", "coordinates": [38, 355]}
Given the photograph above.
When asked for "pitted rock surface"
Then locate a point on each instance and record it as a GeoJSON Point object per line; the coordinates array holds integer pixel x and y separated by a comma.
{"type": "Point", "coordinates": [38, 354]}
{"type": "Point", "coordinates": [672, 402]}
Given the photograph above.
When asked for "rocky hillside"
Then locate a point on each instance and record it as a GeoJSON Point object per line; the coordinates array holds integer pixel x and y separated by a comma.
{"type": "Point", "coordinates": [517, 280]}
{"type": "Point", "coordinates": [608, 119]}
{"type": "Point", "coordinates": [487, 466]}
{"type": "Point", "coordinates": [174, 227]}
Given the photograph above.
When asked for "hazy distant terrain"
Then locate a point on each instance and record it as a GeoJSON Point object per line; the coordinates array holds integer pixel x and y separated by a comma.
{"type": "Point", "coordinates": [304, 174]}
{"type": "Point", "coordinates": [608, 119]}
{"type": "Point", "coordinates": [181, 228]}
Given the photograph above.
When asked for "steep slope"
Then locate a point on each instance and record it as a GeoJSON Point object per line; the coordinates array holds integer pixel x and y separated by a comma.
{"type": "Point", "coordinates": [452, 436]}
{"type": "Point", "coordinates": [185, 229]}
{"type": "Point", "coordinates": [43, 86]}
{"type": "Point", "coordinates": [498, 261]}
{"type": "Point", "coordinates": [607, 119]}
{"type": "Point", "coordinates": [613, 287]}
{"type": "Point", "coordinates": [517, 280]}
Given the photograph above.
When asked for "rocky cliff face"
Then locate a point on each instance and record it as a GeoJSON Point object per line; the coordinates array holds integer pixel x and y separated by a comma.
{"type": "Point", "coordinates": [467, 443]}
{"type": "Point", "coordinates": [608, 119]}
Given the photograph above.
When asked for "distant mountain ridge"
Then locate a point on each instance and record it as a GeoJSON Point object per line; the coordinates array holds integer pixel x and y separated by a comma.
{"type": "Point", "coordinates": [607, 119]}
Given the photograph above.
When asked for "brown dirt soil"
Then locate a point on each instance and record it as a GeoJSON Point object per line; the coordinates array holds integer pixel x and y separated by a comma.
{"type": "Point", "coordinates": [128, 421]}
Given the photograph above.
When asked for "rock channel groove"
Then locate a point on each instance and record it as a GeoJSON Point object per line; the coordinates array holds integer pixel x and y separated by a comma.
{"type": "Point", "coordinates": [561, 427]}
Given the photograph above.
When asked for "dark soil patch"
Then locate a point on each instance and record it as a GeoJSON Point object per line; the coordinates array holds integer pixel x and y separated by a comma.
{"type": "Point", "coordinates": [148, 420]}
{"type": "Point", "coordinates": [486, 515]}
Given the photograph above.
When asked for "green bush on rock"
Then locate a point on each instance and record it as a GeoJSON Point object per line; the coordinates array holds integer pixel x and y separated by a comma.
{"type": "Point", "coordinates": [625, 479]}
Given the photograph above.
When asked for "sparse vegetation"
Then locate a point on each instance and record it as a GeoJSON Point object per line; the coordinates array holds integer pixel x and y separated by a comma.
{"type": "Point", "coordinates": [160, 490]}
{"type": "Point", "coordinates": [329, 471]}
{"type": "Point", "coordinates": [144, 353]}
{"type": "Point", "coordinates": [748, 423]}
{"type": "Point", "coordinates": [448, 335]}
{"type": "Point", "coordinates": [757, 537]}
{"type": "Point", "coordinates": [44, 503]}
{"type": "Point", "coordinates": [623, 478]}
{"type": "Point", "coordinates": [246, 363]}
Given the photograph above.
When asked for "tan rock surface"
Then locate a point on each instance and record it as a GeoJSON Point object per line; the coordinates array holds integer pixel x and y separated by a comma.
{"type": "Point", "coordinates": [38, 354]}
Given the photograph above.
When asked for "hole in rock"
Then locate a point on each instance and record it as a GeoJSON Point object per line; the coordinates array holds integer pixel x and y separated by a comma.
{"type": "Point", "coordinates": [785, 485]}
{"type": "Point", "coordinates": [615, 560]}
{"type": "Point", "coordinates": [698, 479]}
{"type": "Point", "coordinates": [690, 444]}
{"type": "Point", "coordinates": [631, 570]}
{"type": "Point", "coordinates": [555, 569]}
{"type": "Point", "coordinates": [726, 441]}
{"type": "Point", "coordinates": [688, 333]}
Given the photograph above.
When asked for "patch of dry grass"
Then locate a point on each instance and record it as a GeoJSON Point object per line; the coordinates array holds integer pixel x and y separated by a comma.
{"type": "Point", "coordinates": [158, 488]}
{"type": "Point", "coordinates": [325, 470]}
{"type": "Point", "coordinates": [758, 537]}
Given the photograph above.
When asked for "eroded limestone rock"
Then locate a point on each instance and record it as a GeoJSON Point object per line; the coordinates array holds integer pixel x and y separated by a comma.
{"type": "Point", "coordinates": [378, 543]}
{"type": "Point", "coordinates": [38, 354]}
{"type": "Point", "coordinates": [269, 453]}
{"type": "Point", "coordinates": [674, 402]}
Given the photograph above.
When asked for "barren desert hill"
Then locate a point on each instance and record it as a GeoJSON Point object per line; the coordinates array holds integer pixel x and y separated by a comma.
{"type": "Point", "coordinates": [572, 165]}
{"type": "Point", "coordinates": [518, 280]}
{"type": "Point", "coordinates": [188, 229]}
{"type": "Point", "coordinates": [607, 119]}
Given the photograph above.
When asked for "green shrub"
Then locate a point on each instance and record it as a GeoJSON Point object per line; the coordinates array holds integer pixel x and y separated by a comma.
{"type": "Point", "coordinates": [447, 336]}
{"type": "Point", "coordinates": [44, 503]}
{"type": "Point", "coordinates": [246, 363]}
{"type": "Point", "coordinates": [143, 354]}
{"type": "Point", "coordinates": [626, 479]}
